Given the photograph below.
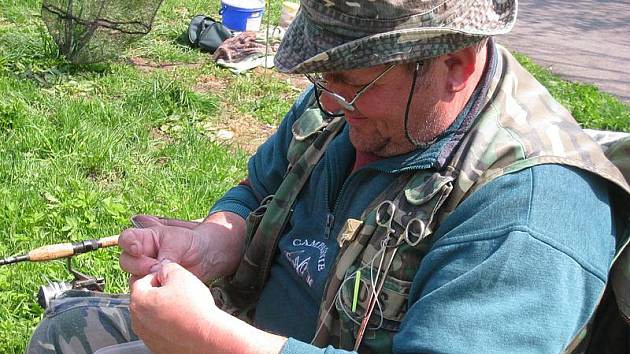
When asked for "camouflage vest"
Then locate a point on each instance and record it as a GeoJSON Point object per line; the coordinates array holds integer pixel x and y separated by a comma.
{"type": "Point", "coordinates": [520, 126]}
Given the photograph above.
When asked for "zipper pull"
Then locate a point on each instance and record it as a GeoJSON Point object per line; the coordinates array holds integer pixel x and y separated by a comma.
{"type": "Point", "coordinates": [330, 222]}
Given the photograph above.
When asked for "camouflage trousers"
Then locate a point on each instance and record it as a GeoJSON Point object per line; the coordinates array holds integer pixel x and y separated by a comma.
{"type": "Point", "coordinates": [83, 322]}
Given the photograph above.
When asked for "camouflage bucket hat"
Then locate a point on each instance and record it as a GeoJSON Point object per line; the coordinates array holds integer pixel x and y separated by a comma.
{"type": "Point", "coordinates": [337, 35]}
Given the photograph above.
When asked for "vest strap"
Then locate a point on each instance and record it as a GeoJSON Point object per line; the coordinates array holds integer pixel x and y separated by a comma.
{"type": "Point", "coordinates": [239, 294]}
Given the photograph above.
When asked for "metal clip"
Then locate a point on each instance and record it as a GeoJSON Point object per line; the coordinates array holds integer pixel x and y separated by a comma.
{"type": "Point", "coordinates": [349, 231]}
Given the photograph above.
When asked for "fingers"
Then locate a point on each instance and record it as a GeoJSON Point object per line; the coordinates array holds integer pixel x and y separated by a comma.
{"type": "Point", "coordinates": [172, 274]}
{"type": "Point", "coordinates": [169, 308]}
{"type": "Point", "coordinates": [139, 250]}
{"type": "Point", "coordinates": [143, 248]}
{"type": "Point", "coordinates": [139, 266]}
{"type": "Point", "coordinates": [143, 297]}
{"type": "Point", "coordinates": [136, 242]}
{"type": "Point", "coordinates": [132, 280]}
{"type": "Point", "coordinates": [144, 221]}
{"type": "Point", "coordinates": [158, 266]}
{"type": "Point", "coordinates": [151, 275]}
{"type": "Point", "coordinates": [144, 284]}
{"type": "Point", "coordinates": [162, 273]}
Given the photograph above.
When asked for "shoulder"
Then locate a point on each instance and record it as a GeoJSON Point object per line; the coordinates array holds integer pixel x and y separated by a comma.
{"type": "Point", "coordinates": [565, 208]}
{"type": "Point", "coordinates": [505, 262]}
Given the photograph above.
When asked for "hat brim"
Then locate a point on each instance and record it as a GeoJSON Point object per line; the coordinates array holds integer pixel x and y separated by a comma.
{"type": "Point", "coordinates": [308, 48]}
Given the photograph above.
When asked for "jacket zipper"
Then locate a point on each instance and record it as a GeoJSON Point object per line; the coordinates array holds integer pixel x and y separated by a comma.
{"type": "Point", "coordinates": [330, 222]}
{"type": "Point", "coordinates": [331, 215]}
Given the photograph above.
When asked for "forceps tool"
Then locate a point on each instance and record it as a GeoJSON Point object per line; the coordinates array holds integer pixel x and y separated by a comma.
{"type": "Point", "coordinates": [413, 234]}
{"type": "Point", "coordinates": [414, 229]}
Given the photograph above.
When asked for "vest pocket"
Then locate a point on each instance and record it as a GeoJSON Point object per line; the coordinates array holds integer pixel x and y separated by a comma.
{"type": "Point", "coordinates": [305, 130]}
{"type": "Point", "coordinates": [254, 218]}
{"type": "Point", "coordinates": [386, 316]}
{"type": "Point", "coordinates": [392, 301]}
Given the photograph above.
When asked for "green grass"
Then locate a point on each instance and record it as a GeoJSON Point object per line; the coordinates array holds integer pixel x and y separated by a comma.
{"type": "Point", "coordinates": [83, 148]}
{"type": "Point", "coordinates": [591, 107]}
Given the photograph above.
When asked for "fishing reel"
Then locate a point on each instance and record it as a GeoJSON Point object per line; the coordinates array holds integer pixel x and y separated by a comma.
{"type": "Point", "coordinates": [81, 282]}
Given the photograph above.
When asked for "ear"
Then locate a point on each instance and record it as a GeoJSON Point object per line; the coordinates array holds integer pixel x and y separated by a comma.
{"type": "Point", "coordinates": [461, 65]}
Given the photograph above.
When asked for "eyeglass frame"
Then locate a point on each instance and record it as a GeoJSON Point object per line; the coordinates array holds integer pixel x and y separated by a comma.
{"type": "Point", "coordinates": [348, 106]}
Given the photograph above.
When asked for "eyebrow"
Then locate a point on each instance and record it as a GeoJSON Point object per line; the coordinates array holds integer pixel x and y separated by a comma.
{"type": "Point", "coordinates": [345, 79]}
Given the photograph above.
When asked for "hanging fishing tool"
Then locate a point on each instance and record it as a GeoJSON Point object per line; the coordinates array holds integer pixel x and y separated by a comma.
{"type": "Point", "coordinates": [65, 250]}
{"type": "Point", "coordinates": [412, 235]}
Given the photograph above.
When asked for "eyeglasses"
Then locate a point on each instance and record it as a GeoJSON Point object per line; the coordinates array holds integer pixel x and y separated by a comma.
{"type": "Point", "coordinates": [320, 83]}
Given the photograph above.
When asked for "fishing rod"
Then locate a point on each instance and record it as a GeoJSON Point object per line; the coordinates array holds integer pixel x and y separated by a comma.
{"type": "Point", "coordinates": [61, 250]}
{"type": "Point", "coordinates": [68, 250]}
{"type": "Point", "coordinates": [81, 282]}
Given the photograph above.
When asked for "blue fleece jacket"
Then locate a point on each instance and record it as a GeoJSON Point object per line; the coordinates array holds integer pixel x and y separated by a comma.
{"type": "Point", "coordinates": [518, 267]}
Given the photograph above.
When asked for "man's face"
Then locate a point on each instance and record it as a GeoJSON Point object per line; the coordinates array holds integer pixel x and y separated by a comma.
{"type": "Point", "coordinates": [377, 124]}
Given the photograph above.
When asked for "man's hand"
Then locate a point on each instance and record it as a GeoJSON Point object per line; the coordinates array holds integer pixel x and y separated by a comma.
{"type": "Point", "coordinates": [170, 310]}
{"type": "Point", "coordinates": [173, 312]}
{"type": "Point", "coordinates": [208, 250]}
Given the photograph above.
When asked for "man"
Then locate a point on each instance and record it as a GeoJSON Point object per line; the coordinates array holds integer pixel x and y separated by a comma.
{"type": "Point", "coordinates": [438, 219]}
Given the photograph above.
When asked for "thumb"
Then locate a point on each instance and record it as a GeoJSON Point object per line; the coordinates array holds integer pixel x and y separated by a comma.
{"type": "Point", "coordinates": [145, 221]}
{"type": "Point", "coordinates": [173, 274]}
{"type": "Point", "coordinates": [144, 284]}
{"type": "Point", "coordinates": [138, 242]}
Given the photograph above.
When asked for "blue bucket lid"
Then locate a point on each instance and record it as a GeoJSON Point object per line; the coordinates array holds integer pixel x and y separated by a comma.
{"type": "Point", "coordinates": [245, 4]}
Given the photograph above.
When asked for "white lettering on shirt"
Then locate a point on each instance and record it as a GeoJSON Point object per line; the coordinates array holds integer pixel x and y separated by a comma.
{"type": "Point", "coordinates": [300, 265]}
{"type": "Point", "coordinates": [318, 245]}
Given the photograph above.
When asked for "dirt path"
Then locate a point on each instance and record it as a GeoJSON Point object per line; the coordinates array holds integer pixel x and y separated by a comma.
{"type": "Point", "coordinates": [581, 40]}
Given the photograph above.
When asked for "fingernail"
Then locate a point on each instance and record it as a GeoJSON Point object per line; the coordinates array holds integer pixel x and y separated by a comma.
{"type": "Point", "coordinates": [157, 266]}
{"type": "Point", "coordinates": [133, 249]}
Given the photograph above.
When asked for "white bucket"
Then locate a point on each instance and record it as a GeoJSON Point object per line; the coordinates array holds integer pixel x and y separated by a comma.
{"type": "Point", "coordinates": [242, 15]}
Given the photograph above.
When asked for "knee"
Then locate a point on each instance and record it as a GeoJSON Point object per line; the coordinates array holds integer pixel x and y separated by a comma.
{"type": "Point", "coordinates": [82, 325]}
{"type": "Point", "coordinates": [59, 332]}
